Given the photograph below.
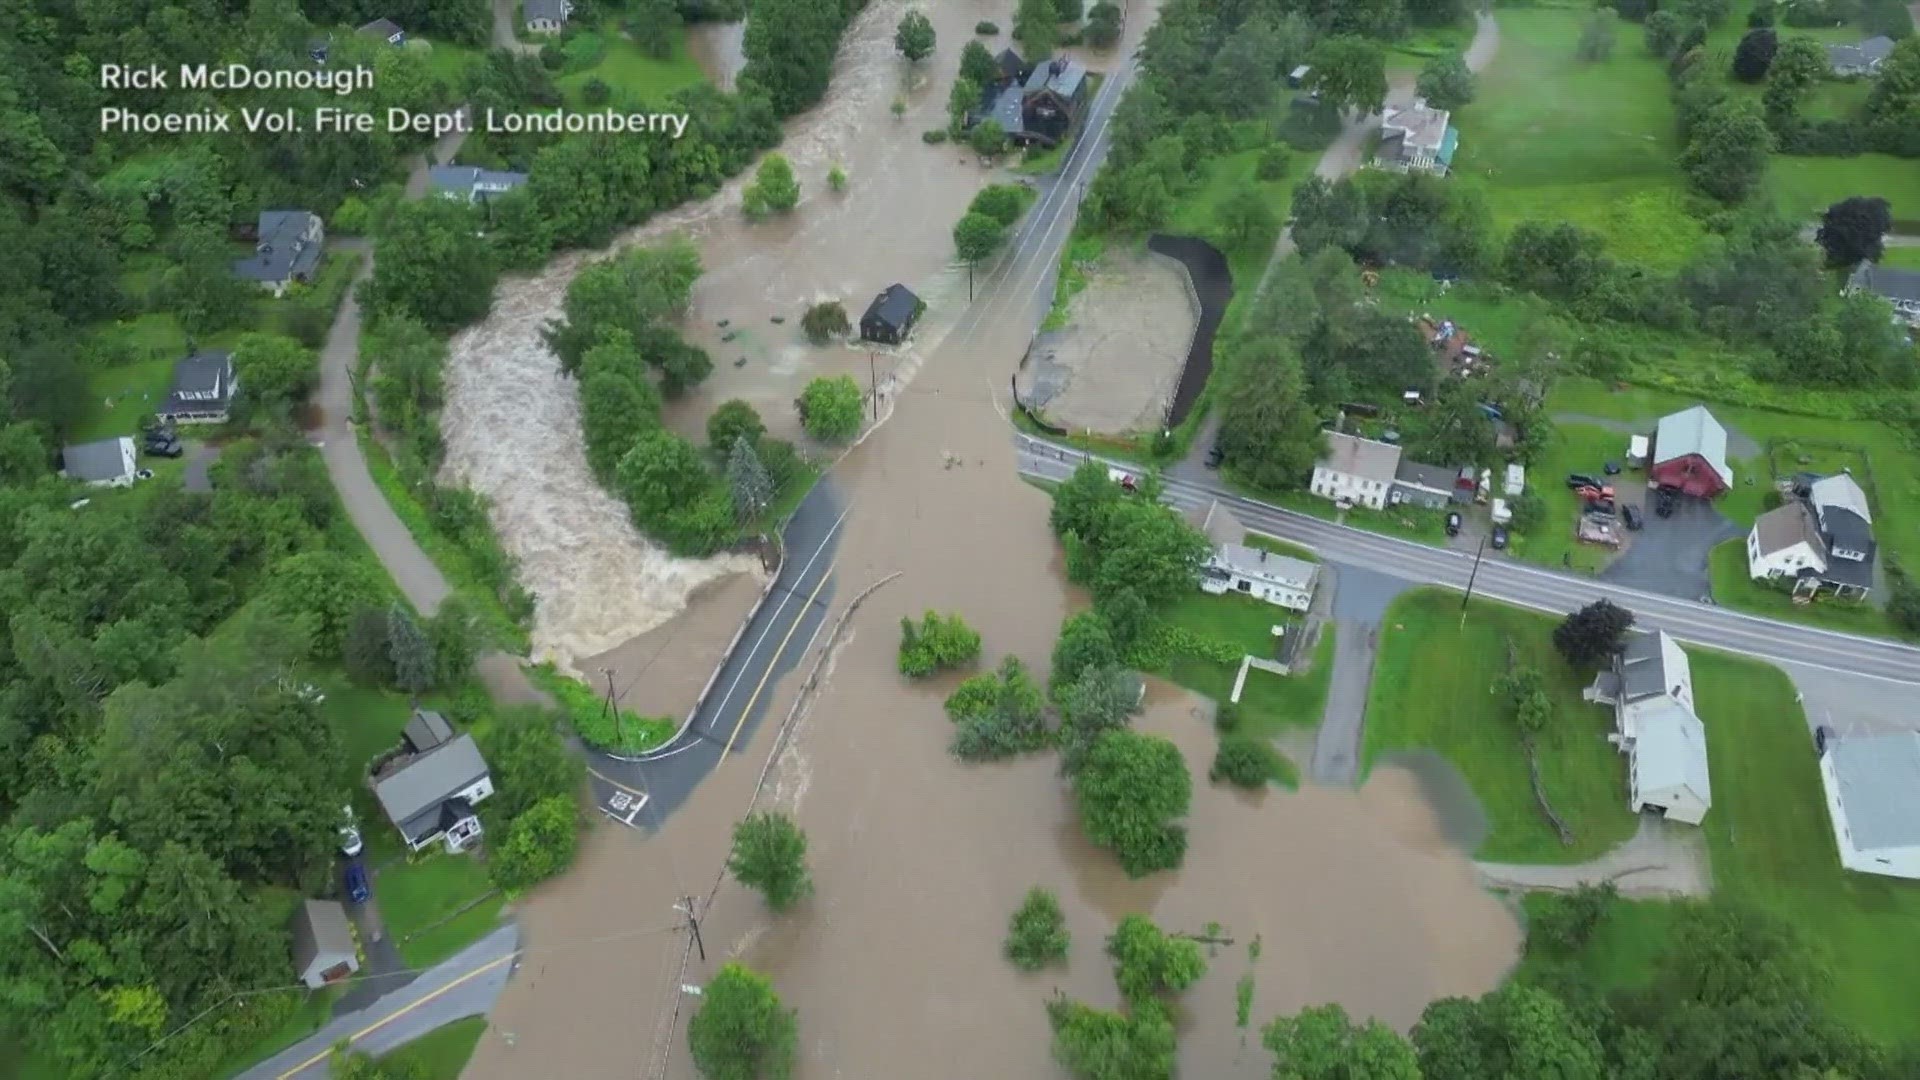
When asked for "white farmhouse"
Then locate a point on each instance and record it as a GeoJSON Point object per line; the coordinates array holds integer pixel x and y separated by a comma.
{"type": "Point", "coordinates": [1356, 470]}
{"type": "Point", "coordinates": [429, 788]}
{"type": "Point", "coordinates": [1873, 796]}
{"type": "Point", "coordinates": [1650, 687]}
{"type": "Point", "coordinates": [1256, 572]}
{"type": "Point", "coordinates": [1821, 539]}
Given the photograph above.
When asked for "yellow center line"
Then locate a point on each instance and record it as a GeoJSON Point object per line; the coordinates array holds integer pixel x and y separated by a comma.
{"type": "Point", "coordinates": [748, 708]}
{"type": "Point", "coordinates": [397, 1013]}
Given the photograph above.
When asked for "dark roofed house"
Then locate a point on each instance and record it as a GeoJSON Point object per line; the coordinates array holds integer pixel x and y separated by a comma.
{"type": "Point", "coordinates": [323, 946]}
{"type": "Point", "coordinates": [1419, 484]}
{"type": "Point", "coordinates": [202, 390]}
{"type": "Point", "coordinates": [106, 463]}
{"type": "Point", "coordinates": [1861, 58]}
{"type": "Point", "coordinates": [429, 789]}
{"type": "Point", "coordinates": [1055, 92]}
{"type": "Point", "coordinates": [472, 183]}
{"type": "Point", "coordinates": [287, 250]}
{"type": "Point", "coordinates": [891, 315]}
{"type": "Point", "coordinates": [1821, 539]}
{"type": "Point", "coordinates": [1012, 68]}
{"type": "Point", "coordinates": [1901, 288]}
{"type": "Point", "coordinates": [386, 30]}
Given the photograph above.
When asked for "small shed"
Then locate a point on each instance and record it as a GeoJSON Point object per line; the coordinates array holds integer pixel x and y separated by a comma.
{"type": "Point", "coordinates": [106, 463]}
{"type": "Point", "coordinates": [323, 946]}
{"type": "Point", "coordinates": [891, 315]}
{"type": "Point", "coordinates": [1637, 452]}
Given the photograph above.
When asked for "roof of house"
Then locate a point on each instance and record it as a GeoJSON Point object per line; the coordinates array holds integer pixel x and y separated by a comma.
{"type": "Point", "coordinates": [412, 795]}
{"type": "Point", "coordinates": [320, 929]}
{"type": "Point", "coordinates": [1848, 533]}
{"type": "Point", "coordinates": [105, 459]}
{"type": "Point", "coordinates": [1861, 53]}
{"type": "Point", "coordinates": [1845, 530]}
{"type": "Point", "coordinates": [1670, 750]}
{"type": "Point", "coordinates": [894, 306]}
{"type": "Point", "coordinates": [202, 373]}
{"type": "Point", "coordinates": [1888, 281]}
{"type": "Point", "coordinates": [1420, 126]}
{"type": "Point", "coordinates": [1011, 65]}
{"type": "Point", "coordinates": [465, 178]}
{"type": "Point", "coordinates": [1218, 522]}
{"type": "Point", "coordinates": [425, 730]}
{"type": "Point", "coordinates": [1693, 431]}
{"type": "Point", "coordinates": [1355, 456]}
{"type": "Point", "coordinates": [281, 251]}
{"type": "Point", "coordinates": [1007, 110]}
{"type": "Point", "coordinates": [1784, 526]}
{"type": "Point", "coordinates": [556, 10]}
{"type": "Point", "coordinates": [1878, 778]}
{"type": "Point", "coordinates": [383, 28]}
{"type": "Point", "coordinates": [1261, 563]}
{"type": "Point", "coordinates": [1427, 476]}
{"type": "Point", "coordinates": [1839, 490]}
{"type": "Point", "coordinates": [1060, 75]}
{"type": "Point", "coordinates": [1651, 664]}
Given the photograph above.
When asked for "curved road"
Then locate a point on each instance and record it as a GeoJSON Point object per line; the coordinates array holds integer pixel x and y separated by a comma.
{"type": "Point", "coordinates": [1523, 584]}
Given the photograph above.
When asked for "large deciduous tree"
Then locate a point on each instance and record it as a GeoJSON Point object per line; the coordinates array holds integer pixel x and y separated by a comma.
{"type": "Point", "coordinates": [1130, 792]}
{"type": "Point", "coordinates": [1148, 962]}
{"type": "Point", "coordinates": [770, 854]}
{"type": "Point", "coordinates": [1269, 432]}
{"type": "Point", "coordinates": [1446, 81]}
{"type": "Point", "coordinates": [741, 1030]}
{"type": "Point", "coordinates": [1321, 1043]}
{"type": "Point", "coordinates": [1854, 229]}
{"type": "Point", "coordinates": [1036, 26]}
{"type": "Point", "coordinates": [275, 375]}
{"type": "Point", "coordinates": [1593, 633]}
{"type": "Point", "coordinates": [1517, 1032]}
{"type": "Point", "coordinates": [433, 264]}
{"type": "Point", "coordinates": [1727, 150]}
{"type": "Point", "coordinates": [1350, 73]}
{"type": "Point", "coordinates": [914, 36]}
{"type": "Point", "coordinates": [831, 408]}
{"type": "Point", "coordinates": [1755, 53]}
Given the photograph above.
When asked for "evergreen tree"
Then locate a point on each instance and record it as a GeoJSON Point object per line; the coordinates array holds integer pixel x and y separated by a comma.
{"type": "Point", "coordinates": [747, 477]}
{"type": "Point", "coordinates": [414, 669]}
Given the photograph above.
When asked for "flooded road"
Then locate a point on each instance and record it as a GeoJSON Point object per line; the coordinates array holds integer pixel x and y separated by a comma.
{"type": "Point", "coordinates": [894, 964]}
{"type": "Point", "coordinates": [511, 422]}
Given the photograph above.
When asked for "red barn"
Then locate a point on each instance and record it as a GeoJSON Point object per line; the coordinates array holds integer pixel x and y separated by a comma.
{"type": "Point", "coordinates": [1690, 454]}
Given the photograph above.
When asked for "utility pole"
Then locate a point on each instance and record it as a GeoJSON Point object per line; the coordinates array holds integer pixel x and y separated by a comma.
{"type": "Point", "coordinates": [1471, 576]}
{"type": "Point", "coordinates": [969, 281]}
{"type": "Point", "coordinates": [693, 923]}
{"type": "Point", "coordinates": [614, 709]}
{"type": "Point", "coordinates": [873, 381]}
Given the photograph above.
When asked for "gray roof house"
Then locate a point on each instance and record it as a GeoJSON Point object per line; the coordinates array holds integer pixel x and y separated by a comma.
{"type": "Point", "coordinates": [202, 390]}
{"type": "Point", "coordinates": [1901, 288]}
{"type": "Point", "coordinates": [1416, 483]}
{"type": "Point", "coordinates": [1416, 138]}
{"type": "Point", "coordinates": [1233, 566]}
{"type": "Point", "coordinates": [472, 183]}
{"type": "Point", "coordinates": [106, 463]}
{"type": "Point", "coordinates": [1873, 796]}
{"type": "Point", "coordinates": [386, 30]}
{"type": "Point", "coordinates": [287, 250]}
{"type": "Point", "coordinates": [1356, 470]}
{"type": "Point", "coordinates": [1861, 58]}
{"type": "Point", "coordinates": [1820, 539]}
{"type": "Point", "coordinates": [546, 16]}
{"type": "Point", "coordinates": [1650, 686]}
{"type": "Point", "coordinates": [428, 790]}
{"type": "Point", "coordinates": [323, 947]}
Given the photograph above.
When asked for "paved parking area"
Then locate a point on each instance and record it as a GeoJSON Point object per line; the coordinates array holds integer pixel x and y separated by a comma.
{"type": "Point", "coordinates": [1669, 555]}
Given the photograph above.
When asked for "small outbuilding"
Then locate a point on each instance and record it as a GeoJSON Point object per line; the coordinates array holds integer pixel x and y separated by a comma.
{"type": "Point", "coordinates": [1690, 454]}
{"type": "Point", "coordinates": [385, 30]}
{"type": "Point", "coordinates": [891, 316]}
{"type": "Point", "coordinates": [106, 463]}
{"type": "Point", "coordinates": [323, 946]}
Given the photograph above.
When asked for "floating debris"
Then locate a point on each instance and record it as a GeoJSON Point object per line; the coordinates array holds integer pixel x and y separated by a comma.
{"type": "Point", "coordinates": [778, 319]}
{"type": "Point", "coordinates": [742, 362]}
{"type": "Point", "coordinates": [729, 335]}
{"type": "Point", "coordinates": [724, 323]}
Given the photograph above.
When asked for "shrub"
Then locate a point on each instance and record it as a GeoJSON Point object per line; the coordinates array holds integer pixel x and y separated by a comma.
{"type": "Point", "coordinates": [936, 644]}
{"type": "Point", "coordinates": [837, 177]}
{"type": "Point", "coordinates": [732, 421]}
{"type": "Point", "coordinates": [1003, 203]}
{"type": "Point", "coordinates": [1037, 933]}
{"type": "Point", "coordinates": [1564, 923]}
{"type": "Point", "coordinates": [998, 715]}
{"type": "Point", "coordinates": [770, 854]}
{"type": "Point", "coordinates": [831, 408]}
{"type": "Point", "coordinates": [774, 187]}
{"type": "Point", "coordinates": [742, 1030]}
{"type": "Point", "coordinates": [1130, 791]}
{"type": "Point", "coordinates": [824, 322]}
{"type": "Point", "coordinates": [539, 844]}
{"type": "Point", "coordinates": [1274, 163]}
{"type": "Point", "coordinates": [587, 713]}
{"type": "Point", "coordinates": [934, 136]}
{"type": "Point", "coordinates": [1247, 762]}
{"type": "Point", "coordinates": [351, 218]}
{"type": "Point", "coordinates": [988, 138]}
{"type": "Point", "coordinates": [986, 28]}
{"type": "Point", "coordinates": [1226, 718]}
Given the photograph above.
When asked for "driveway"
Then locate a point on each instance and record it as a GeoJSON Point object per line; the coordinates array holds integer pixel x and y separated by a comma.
{"type": "Point", "coordinates": [1664, 858]}
{"type": "Point", "coordinates": [1669, 555]}
{"type": "Point", "coordinates": [200, 459]}
{"type": "Point", "coordinates": [1359, 604]}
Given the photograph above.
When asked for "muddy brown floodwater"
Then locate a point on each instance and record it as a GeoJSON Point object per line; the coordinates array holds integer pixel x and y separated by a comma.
{"type": "Point", "coordinates": [894, 964]}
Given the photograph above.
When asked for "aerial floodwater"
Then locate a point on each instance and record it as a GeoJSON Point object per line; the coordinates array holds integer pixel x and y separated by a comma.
{"type": "Point", "coordinates": [1364, 897]}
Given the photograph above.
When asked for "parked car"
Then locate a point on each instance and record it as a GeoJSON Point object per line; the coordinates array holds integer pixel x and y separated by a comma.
{"type": "Point", "coordinates": [350, 844]}
{"type": "Point", "coordinates": [1663, 502]}
{"type": "Point", "coordinates": [1215, 455]}
{"type": "Point", "coordinates": [1633, 517]}
{"type": "Point", "coordinates": [1600, 508]}
{"type": "Point", "coordinates": [1577, 480]}
{"type": "Point", "coordinates": [359, 886]}
{"type": "Point", "coordinates": [1453, 524]}
{"type": "Point", "coordinates": [167, 448]}
{"type": "Point", "coordinates": [1499, 537]}
{"type": "Point", "coordinates": [1611, 468]}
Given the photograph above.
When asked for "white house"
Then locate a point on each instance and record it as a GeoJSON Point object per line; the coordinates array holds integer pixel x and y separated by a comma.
{"type": "Point", "coordinates": [1255, 572]}
{"type": "Point", "coordinates": [1416, 138]}
{"type": "Point", "coordinates": [1822, 539]}
{"type": "Point", "coordinates": [384, 30]}
{"type": "Point", "coordinates": [547, 16]}
{"type": "Point", "coordinates": [470, 183]}
{"type": "Point", "coordinates": [1650, 686]}
{"type": "Point", "coordinates": [1355, 470]}
{"type": "Point", "coordinates": [1901, 288]}
{"type": "Point", "coordinates": [202, 390]}
{"type": "Point", "coordinates": [428, 790]}
{"type": "Point", "coordinates": [106, 463]}
{"type": "Point", "coordinates": [1873, 796]}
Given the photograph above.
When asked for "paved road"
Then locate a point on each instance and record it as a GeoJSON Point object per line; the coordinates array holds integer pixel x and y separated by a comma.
{"type": "Point", "coordinates": [1530, 586]}
{"type": "Point", "coordinates": [1360, 601]}
{"type": "Point", "coordinates": [465, 985]}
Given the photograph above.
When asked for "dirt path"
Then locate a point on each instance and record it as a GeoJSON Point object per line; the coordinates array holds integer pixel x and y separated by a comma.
{"type": "Point", "coordinates": [1663, 859]}
{"type": "Point", "coordinates": [504, 14]}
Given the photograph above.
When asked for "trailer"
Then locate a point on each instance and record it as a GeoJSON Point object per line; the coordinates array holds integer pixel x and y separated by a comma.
{"type": "Point", "coordinates": [1502, 513]}
{"type": "Point", "coordinates": [1516, 480]}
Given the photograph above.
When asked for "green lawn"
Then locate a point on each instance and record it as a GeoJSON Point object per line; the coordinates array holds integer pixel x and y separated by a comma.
{"type": "Point", "coordinates": [630, 74]}
{"type": "Point", "coordinates": [1241, 621]}
{"type": "Point", "coordinates": [1269, 703]}
{"type": "Point", "coordinates": [1805, 186]}
{"type": "Point", "coordinates": [440, 1054]}
{"type": "Point", "coordinates": [1576, 448]}
{"type": "Point", "coordinates": [1772, 844]}
{"type": "Point", "coordinates": [1432, 689]}
{"type": "Point", "coordinates": [119, 396]}
{"type": "Point", "coordinates": [1732, 587]}
{"type": "Point", "coordinates": [1552, 138]}
{"type": "Point", "coordinates": [414, 896]}
{"type": "Point", "coordinates": [1197, 213]}
{"type": "Point", "coordinates": [1907, 258]}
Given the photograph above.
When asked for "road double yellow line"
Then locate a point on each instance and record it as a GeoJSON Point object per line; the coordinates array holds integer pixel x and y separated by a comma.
{"type": "Point", "coordinates": [747, 709]}
{"type": "Point", "coordinates": [397, 1013]}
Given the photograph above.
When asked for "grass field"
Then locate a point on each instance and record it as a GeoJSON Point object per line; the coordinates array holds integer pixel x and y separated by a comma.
{"type": "Point", "coordinates": [440, 1054]}
{"type": "Point", "coordinates": [1269, 703]}
{"type": "Point", "coordinates": [1804, 186]}
{"type": "Point", "coordinates": [1198, 212]}
{"type": "Point", "coordinates": [1552, 138]}
{"type": "Point", "coordinates": [629, 73]}
{"type": "Point", "coordinates": [1432, 689]}
{"type": "Point", "coordinates": [415, 896]}
{"type": "Point", "coordinates": [1576, 448]}
{"type": "Point", "coordinates": [1241, 621]}
{"type": "Point", "coordinates": [1907, 258]}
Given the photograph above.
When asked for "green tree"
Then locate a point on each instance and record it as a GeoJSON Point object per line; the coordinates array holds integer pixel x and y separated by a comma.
{"type": "Point", "coordinates": [1084, 642]}
{"type": "Point", "coordinates": [1036, 26]}
{"type": "Point", "coordinates": [789, 46]}
{"type": "Point", "coordinates": [730, 422]}
{"type": "Point", "coordinates": [1854, 229]}
{"type": "Point", "coordinates": [1565, 922]}
{"type": "Point", "coordinates": [937, 643]}
{"type": "Point", "coordinates": [640, 292]}
{"type": "Point", "coordinates": [275, 376]}
{"type": "Point", "coordinates": [1246, 761]}
{"type": "Point", "coordinates": [914, 36]}
{"type": "Point", "coordinates": [837, 178]}
{"type": "Point", "coordinates": [1663, 32]}
{"type": "Point", "coordinates": [831, 409]}
{"type": "Point", "coordinates": [741, 1030]}
{"type": "Point", "coordinates": [1596, 37]}
{"type": "Point", "coordinates": [774, 187]}
{"type": "Point", "coordinates": [770, 854]}
{"type": "Point", "coordinates": [1148, 962]}
{"type": "Point", "coordinates": [1130, 791]}
{"type": "Point", "coordinates": [321, 590]}
{"type": "Point", "coordinates": [1096, 1044]}
{"type": "Point", "coordinates": [977, 68]}
{"type": "Point", "coordinates": [977, 236]}
{"type": "Point", "coordinates": [1322, 1044]}
{"type": "Point", "coordinates": [363, 648]}
{"type": "Point", "coordinates": [1080, 504]}
{"type": "Point", "coordinates": [747, 479]}
{"type": "Point", "coordinates": [997, 715]}
{"type": "Point", "coordinates": [539, 844]}
{"type": "Point", "coordinates": [1799, 64]}
{"type": "Point", "coordinates": [1103, 25]}
{"type": "Point", "coordinates": [1246, 217]}
{"type": "Point", "coordinates": [1149, 549]}
{"type": "Point", "coordinates": [825, 321]}
{"type": "Point", "coordinates": [433, 264]}
{"type": "Point", "coordinates": [1003, 203]}
{"type": "Point", "coordinates": [1516, 1032]}
{"type": "Point", "coordinates": [1100, 700]}
{"type": "Point", "coordinates": [616, 408]}
{"type": "Point", "coordinates": [1593, 633]}
{"type": "Point", "coordinates": [1350, 73]}
{"type": "Point", "coordinates": [415, 669]}
{"type": "Point", "coordinates": [529, 760]}
{"type": "Point", "coordinates": [660, 474]}
{"type": "Point", "coordinates": [1446, 82]}
{"type": "Point", "coordinates": [1037, 933]}
{"type": "Point", "coordinates": [988, 138]}
{"type": "Point", "coordinates": [1269, 432]}
{"type": "Point", "coordinates": [1755, 53]}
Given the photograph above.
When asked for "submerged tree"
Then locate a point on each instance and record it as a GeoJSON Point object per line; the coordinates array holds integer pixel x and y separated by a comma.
{"type": "Point", "coordinates": [770, 854]}
{"type": "Point", "coordinates": [747, 478]}
{"type": "Point", "coordinates": [742, 1031]}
